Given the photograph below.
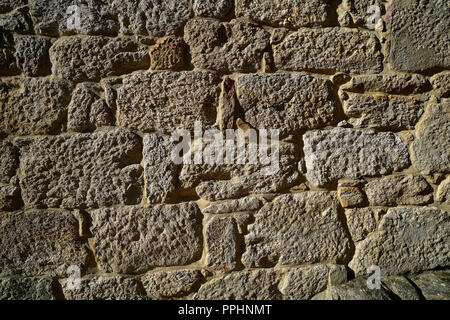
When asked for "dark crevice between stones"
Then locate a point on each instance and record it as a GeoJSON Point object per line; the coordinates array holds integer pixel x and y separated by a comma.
{"type": "Point", "coordinates": [418, 290]}
{"type": "Point", "coordinates": [57, 290]}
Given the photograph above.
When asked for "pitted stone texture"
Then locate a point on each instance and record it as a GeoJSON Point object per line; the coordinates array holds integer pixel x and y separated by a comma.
{"type": "Point", "coordinates": [360, 10]}
{"type": "Point", "coordinates": [32, 55]}
{"type": "Point", "coordinates": [7, 59]}
{"type": "Point", "coordinates": [95, 57]}
{"type": "Point", "coordinates": [81, 170]}
{"type": "Point", "coordinates": [433, 285]}
{"type": "Point", "coordinates": [394, 84]}
{"type": "Point", "coordinates": [9, 161]}
{"type": "Point", "coordinates": [441, 84]}
{"type": "Point", "coordinates": [296, 229]}
{"type": "Point", "coordinates": [303, 283]}
{"type": "Point", "coordinates": [401, 287]}
{"type": "Point", "coordinates": [168, 53]}
{"type": "Point", "coordinates": [151, 17]}
{"type": "Point", "coordinates": [26, 289]}
{"type": "Point", "coordinates": [40, 242]}
{"type": "Point", "coordinates": [212, 8]}
{"type": "Point", "coordinates": [316, 49]}
{"type": "Point", "coordinates": [171, 284]}
{"type": "Point", "coordinates": [420, 38]}
{"type": "Point", "coordinates": [221, 243]}
{"type": "Point", "coordinates": [356, 289]}
{"type": "Point", "coordinates": [33, 105]}
{"type": "Point", "coordinates": [431, 148]}
{"type": "Point", "coordinates": [14, 22]}
{"type": "Point", "coordinates": [60, 17]}
{"type": "Point", "coordinates": [165, 101]}
{"type": "Point", "coordinates": [350, 197]}
{"type": "Point", "coordinates": [87, 110]}
{"type": "Point", "coordinates": [380, 111]}
{"type": "Point", "coordinates": [160, 170]}
{"type": "Point", "coordinates": [131, 240]}
{"type": "Point", "coordinates": [351, 153]}
{"type": "Point", "coordinates": [8, 5]}
{"type": "Point", "coordinates": [244, 285]}
{"type": "Point", "coordinates": [285, 13]}
{"type": "Point", "coordinates": [105, 288]}
{"type": "Point", "coordinates": [407, 240]}
{"type": "Point", "coordinates": [360, 222]}
{"type": "Point", "coordinates": [287, 102]}
{"type": "Point", "coordinates": [227, 47]}
{"type": "Point", "coordinates": [443, 191]}
{"type": "Point", "coordinates": [399, 190]}
{"type": "Point", "coordinates": [9, 197]}
{"type": "Point", "coordinates": [239, 205]}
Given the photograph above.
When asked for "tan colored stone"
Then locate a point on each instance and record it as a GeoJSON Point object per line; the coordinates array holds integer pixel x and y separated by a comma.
{"type": "Point", "coordinates": [434, 285]}
{"type": "Point", "coordinates": [171, 284]}
{"type": "Point", "coordinates": [221, 243]}
{"type": "Point", "coordinates": [303, 283]}
{"type": "Point", "coordinates": [394, 84]}
{"type": "Point", "coordinates": [26, 289]}
{"type": "Point", "coordinates": [350, 197]}
{"type": "Point", "coordinates": [168, 53]}
{"type": "Point", "coordinates": [443, 191]}
{"type": "Point", "coordinates": [360, 222]}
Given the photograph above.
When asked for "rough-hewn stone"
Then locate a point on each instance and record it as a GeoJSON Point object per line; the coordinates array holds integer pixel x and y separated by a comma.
{"type": "Point", "coordinates": [212, 8]}
{"type": "Point", "coordinates": [316, 49]}
{"type": "Point", "coordinates": [286, 102]}
{"type": "Point", "coordinates": [303, 283]}
{"type": "Point", "coordinates": [360, 10]}
{"type": "Point", "coordinates": [406, 240]}
{"type": "Point", "coordinates": [296, 229]}
{"type": "Point", "coordinates": [171, 284]}
{"type": "Point", "coordinates": [351, 153]}
{"type": "Point", "coordinates": [32, 55]}
{"type": "Point", "coordinates": [443, 191]}
{"type": "Point", "coordinates": [8, 5]}
{"type": "Point", "coordinates": [401, 287]}
{"type": "Point", "coordinates": [360, 222]}
{"type": "Point", "coordinates": [81, 170]}
{"type": "Point", "coordinates": [221, 243]}
{"type": "Point", "coordinates": [239, 205]}
{"type": "Point", "coordinates": [138, 238]}
{"type": "Point", "coordinates": [14, 22]}
{"type": "Point", "coordinates": [26, 289]}
{"type": "Point", "coordinates": [433, 285]}
{"type": "Point", "coordinates": [168, 53]}
{"type": "Point", "coordinates": [9, 197]}
{"type": "Point", "coordinates": [354, 290]}
{"type": "Point", "coordinates": [8, 64]}
{"type": "Point", "coordinates": [8, 161]}
{"type": "Point", "coordinates": [441, 84]}
{"type": "Point", "coordinates": [228, 47]}
{"type": "Point", "coordinates": [394, 84]}
{"type": "Point", "coordinates": [350, 197]}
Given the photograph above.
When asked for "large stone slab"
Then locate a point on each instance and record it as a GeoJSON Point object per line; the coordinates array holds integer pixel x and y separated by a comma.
{"type": "Point", "coordinates": [221, 243]}
{"type": "Point", "coordinates": [304, 282]}
{"type": "Point", "coordinates": [26, 289]}
{"type": "Point", "coordinates": [171, 284]}
{"type": "Point", "coordinates": [356, 289]}
{"type": "Point", "coordinates": [434, 285]}
{"type": "Point", "coordinates": [32, 55]}
{"type": "Point", "coordinates": [394, 84]}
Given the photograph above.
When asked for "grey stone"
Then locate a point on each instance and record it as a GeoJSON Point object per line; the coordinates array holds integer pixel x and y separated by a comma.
{"type": "Point", "coordinates": [338, 274]}
{"type": "Point", "coordinates": [94, 57]}
{"type": "Point", "coordinates": [32, 55]}
{"type": "Point", "coordinates": [81, 170]}
{"type": "Point", "coordinates": [221, 243]}
{"type": "Point", "coordinates": [441, 84]}
{"type": "Point", "coordinates": [239, 205]}
{"type": "Point", "coordinates": [227, 47]}
{"type": "Point", "coordinates": [401, 287]}
{"type": "Point", "coordinates": [286, 13]}
{"type": "Point", "coordinates": [171, 284]}
{"type": "Point", "coordinates": [295, 229]}
{"type": "Point", "coordinates": [8, 5]}
{"type": "Point", "coordinates": [131, 240]}
{"type": "Point", "coordinates": [351, 153]}
{"type": "Point", "coordinates": [434, 285]}
{"type": "Point", "coordinates": [360, 222]}
{"type": "Point", "coordinates": [360, 10]}
{"type": "Point", "coordinates": [354, 290]}
{"type": "Point", "coordinates": [14, 22]}
{"type": "Point", "coordinates": [303, 283]}
{"type": "Point", "coordinates": [9, 161]}
{"type": "Point", "coordinates": [443, 191]}
{"type": "Point", "coordinates": [420, 38]}
{"type": "Point", "coordinates": [26, 289]}
{"type": "Point", "coordinates": [168, 53]}
{"type": "Point", "coordinates": [286, 102]}
{"type": "Point", "coordinates": [8, 64]}
{"type": "Point", "coordinates": [315, 50]}
{"type": "Point", "coordinates": [212, 8]}
{"type": "Point", "coordinates": [39, 242]}
{"type": "Point", "coordinates": [406, 240]}
{"type": "Point", "coordinates": [9, 197]}
{"type": "Point", "coordinates": [228, 105]}
{"type": "Point", "coordinates": [33, 105]}
{"type": "Point", "coordinates": [394, 84]}
{"type": "Point", "coordinates": [165, 101]}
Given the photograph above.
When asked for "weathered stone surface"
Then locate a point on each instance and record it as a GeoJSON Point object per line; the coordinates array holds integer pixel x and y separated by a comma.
{"type": "Point", "coordinates": [26, 289]}
{"type": "Point", "coordinates": [399, 190]}
{"type": "Point", "coordinates": [286, 102]}
{"type": "Point", "coordinates": [360, 10]}
{"type": "Point", "coordinates": [160, 170]}
{"type": "Point", "coordinates": [81, 170]}
{"type": "Point", "coordinates": [296, 229]}
{"type": "Point", "coordinates": [338, 274]}
{"type": "Point", "coordinates": [8, 161]}
{"type": "Point", "coordinates": [212, 8]}
{"type": "Point", "coordinates": [9, 197]}
{"type": "Point", "coordinates": [394, 84]}
{"type": "Point", "coordinates": [350, 197]}
{"type": "Point", "coordinates": [420, 38]}
{"type": "Point", "coordinates": [168, 53]}
{"type": "Point", "coordinates": [105, 288]}
{"type": "Point", "coordinates": [14, 22]}
{"type": "Point", "coordinates": [286, 13]}
{"type": "Point", "coordinates": [171, 284]}
{"type": "Point", "coordinates": [406, 240]}
{"type": "Point", "coordinates": [32, 55]}
{"type": "Point", "coordinates": [7, 59]}
{"type": "Point", "coordinates": [434, 285]}
{"type": "Point", "coordinates": [164, 101]}
{"type": "Point", "coordinates": [351, 153]}
{"type": "Point", "coordinates": [228, 105]}
{"type": "Point", "coordinates": [239, 205]}
{"type": "Point", "coordinates": [443, 191]}
{"type": "Point", "coordinates": [244, 285]}
{"type": "Point", "coordinates": [353, 290]}
{"type": "Point", "coordinates": [441, 84]}
{"type": "Point", "coordinates": [431, 148]}
{"type": "Point", "coordinates": [91, 58]}
{"type": "Point", "coordinates": [8, 5]}
{"type": "Point", "coordinates": [360, 222]}
{"type": "Point", "coordinates": [87, 110]}
{"type": "Point", "coordinates": [227, 47]}
{"type": "Point", "coordinates": [38, 242]}
{"type": "Point", "coordinates": [221, 243]}
{"type": "Point", "coordinates": [33, 105]}
{"type": "Point", "coordinates": [303, 283]}
{"type": "Point", "coordinates": [315, 49]}
{"type": "Point", "coordinates": [401, 287]}
{"type": "Point", "coordinates": [138, 238]}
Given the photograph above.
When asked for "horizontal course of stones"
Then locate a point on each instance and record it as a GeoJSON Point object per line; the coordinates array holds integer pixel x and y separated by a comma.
{"type": "Point", "coordinates": [87, 180]}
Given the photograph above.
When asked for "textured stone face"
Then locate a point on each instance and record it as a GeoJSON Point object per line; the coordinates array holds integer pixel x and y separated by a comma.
{"type": "Point", "coordinates": [350, 197]}
{"type": "Point", "coordinates": [431, 148]}
{"type": "Point", "coordinates": [168, 235]}
{"type": "Point", "coordinates": [239, 205]}
{"type": "Point", "coordinates": [103, 171]}
{"type": "Point", "coordinates": [8, 5]}
{"type": "Point", "coordinates": [407, 240]}
{"type": "Point", "coordinates": [354, 290]}
{"type": "Point", "coordinates": [26, 289]}
{"type": "Point", "coordinates": [32, 55]}
{"type": "Point", "coordinates": [14, 22]}
{"type": "Point", "coordinates": [401, 287]}
{"type": "Point", "coordinates": [287, 102]}
{"type": "Point", "coordinates": [91, 58]}
{"type": "Point", "coordinates": [9, 197]}
{"type": "Point", "coordinates": [286, 13]}
{"type": "Point", "coordinates": [434, 285]}
{"type": "Point", "coordinates": [212, 8]}
{"type": "Point", "coordinates": [168, 53]}
{"type": "Point", "coordinates": [359, 10]}
{"type": "Point", "coordinates": [359, 51]}
{"type": "Point", "coordinates": [227, 47]}
{"type": "Point", "coordinates": [361, 222]}
{"type": "Point", "coordinates": [33, 105]}
{"type": "Point", "coordinates": [394, 84]}
{"type": "Point", "coordinates": [38, 242]}
{"type": "Point", "coordinates": [221, 243]}
{"type": "Point", "coordinates": [443, 192]}
{"type": "Point", "coordinates": [441, 83]}
{"type": "Point", "coordinates": [165, 101]}
{"type": "Point", "coordinates": [296, 229]}
{"type": "Point", "coordinates": [410, 49]}
{"type": "Point", "coordinates": [8, 161]}
{"type": "Point", "coordinates": [303, 283]}
{"type": "Point", "coordinates": [171, 284]}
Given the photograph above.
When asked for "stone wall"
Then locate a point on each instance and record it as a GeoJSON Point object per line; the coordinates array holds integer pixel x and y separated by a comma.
{"type": "Point", "coordinates": [93, 207]}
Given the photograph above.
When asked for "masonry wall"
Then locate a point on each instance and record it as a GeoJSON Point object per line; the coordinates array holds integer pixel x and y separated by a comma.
{"type": "Point", "coordinates": [93, 207]}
